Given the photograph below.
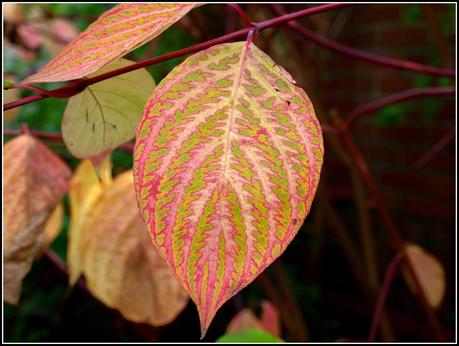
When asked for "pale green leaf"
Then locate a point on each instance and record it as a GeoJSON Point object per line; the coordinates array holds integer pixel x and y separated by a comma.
{"type": "Point", "coordinates": [106, 114]}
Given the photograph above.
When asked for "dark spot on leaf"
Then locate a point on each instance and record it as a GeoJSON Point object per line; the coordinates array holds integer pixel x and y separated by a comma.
{"type": "Point", "coordinates": [114, 126]}
{"type": "Point", "coordinates": [276, 89]}
{"type": "Point", "coordinates": [288, 103]}
{"type": "Point", "coordinates": [295, 221]}
{"type": "Point", "coordinates": [93, 127]}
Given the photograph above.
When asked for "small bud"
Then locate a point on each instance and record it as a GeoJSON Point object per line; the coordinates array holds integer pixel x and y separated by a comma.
{"type": "Point", "coordinates": [8, 84]}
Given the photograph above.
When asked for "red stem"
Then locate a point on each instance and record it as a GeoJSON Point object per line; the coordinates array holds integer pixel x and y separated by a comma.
{"type": "Point", "coordinates": [248, 23]}
{"type": "Point", "coordinates": [38, 134]}
{"type": "Point", "coordinates": [58, 93]}
{"type": "Point", "coordinates": [81, 83]}
{"type": "Point", "coordinates": [24, 129]}
{"type": "Point", "coordinates": [127, 147]}
{"type": "Point", "coordinates": [362, 55]}
{"type": "Point", "coordinates": [383, 294]}
{"type": "Point", "coordinates": [395, 98]}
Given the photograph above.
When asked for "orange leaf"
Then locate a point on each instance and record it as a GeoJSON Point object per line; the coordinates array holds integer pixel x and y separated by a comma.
{"type": "Point", "coordinates": [85, 190]}
{"type": "Point", "coordinates": [35, 180]}
{"type": "Point", "coordinates": [429, 272]}
{"type": "Point", "coordinates": [117, 32]}
{"type": "Point", "coordinates": [121, 266]}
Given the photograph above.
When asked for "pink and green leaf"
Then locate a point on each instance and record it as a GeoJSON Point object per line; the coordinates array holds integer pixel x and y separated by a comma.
{"type": "Point", "coordinates": [226, 165]}
{"type": "Point", "coordinates": [117, 32]}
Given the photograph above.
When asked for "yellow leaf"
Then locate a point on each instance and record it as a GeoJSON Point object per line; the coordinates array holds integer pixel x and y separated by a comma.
{"type": "Point", "coordinates": [35, 180]}
{"type": "Point", "coordinates": [106, 114]}
{"type": "Point", "coordinates": [121, 266]}
{"type": "Point", "coordinates": [429, 273]}
{"type": "Point", "coordinates": [85, 189]}
{"type": "Point", "coordinates": [53, 226]}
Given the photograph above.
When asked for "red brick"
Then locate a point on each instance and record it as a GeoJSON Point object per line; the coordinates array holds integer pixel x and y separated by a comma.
{"type": "Point", "coordinates": [406, 37]}
{"type": "Point", "coordinates": [440, 187]}
{"type": "Point", "coordinates": [376, 13]}
{"type": "Point", "coordinates": [394, 83]}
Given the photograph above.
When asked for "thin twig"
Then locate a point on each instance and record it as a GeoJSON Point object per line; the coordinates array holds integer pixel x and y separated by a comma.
{"type": "Point", "coordinates": [248, 23]}
{"type": "Point", "coordinates": [443, 142]}
{"type": "Point", "coordinates": [395, 98]}
{"type": "Point", "coordinates": [388, 277]}
{"type": "Point", "coordinates": [38, 134]}
{"type": "Point", "coordinates": [60, 264]}
{"type": "Point", "coordinates": [79, 85]}
{"type": "Point", "coordinates": [126, 147]}
{"type": "Point", "coordinates": [362, 55]}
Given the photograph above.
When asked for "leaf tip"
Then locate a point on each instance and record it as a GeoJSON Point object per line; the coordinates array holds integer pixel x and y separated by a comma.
{"type": "Point", "coordinates": [203, 332]}
{"type": "Point", "coordinates": [204, 320]}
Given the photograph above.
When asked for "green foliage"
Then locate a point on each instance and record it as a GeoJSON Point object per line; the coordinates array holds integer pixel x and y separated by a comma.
{"type": "Point", "coordinates": [445, 82]}
{"type": "Point", "coordinates": [84, 15]}
{"type": "Point", "coordinates": [412, 14]}
{"type": "Point", "coordinates": [393, 115]}
{"type": "Point", "coordinates": [422, 81]}
{"type": "Point", "coordinates": [447, 20]}
{"type": "Point", "coordinates": [248, 335]}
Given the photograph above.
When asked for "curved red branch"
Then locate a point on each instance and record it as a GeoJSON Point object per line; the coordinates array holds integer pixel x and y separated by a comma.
{"type": "Point", "coordinates": [395, 98]}
{"type": "Point", "coordinates": [148, 62]}
{"type": "Point", "coordinates": [362, 55]}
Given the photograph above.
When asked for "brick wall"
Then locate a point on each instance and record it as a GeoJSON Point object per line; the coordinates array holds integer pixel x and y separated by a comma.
{"type": "Point", "coordinates": [394, 139]}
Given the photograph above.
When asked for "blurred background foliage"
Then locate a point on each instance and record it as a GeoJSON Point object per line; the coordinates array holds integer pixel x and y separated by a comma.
{"type": "Point", "coordinates": [312, 267]}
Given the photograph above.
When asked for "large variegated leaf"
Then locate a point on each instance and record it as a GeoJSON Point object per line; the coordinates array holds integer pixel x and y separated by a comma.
{"type": "Point", "coordinates": [117, 32]}
{"type": "Point", "coordinates": [227, 161]}
{"type": "Point", "coordinates": [121, 266]}
{"type": "Point", "coordinates": [35, 180]}
{"type": "Point", "coordinates": [106, 114]}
